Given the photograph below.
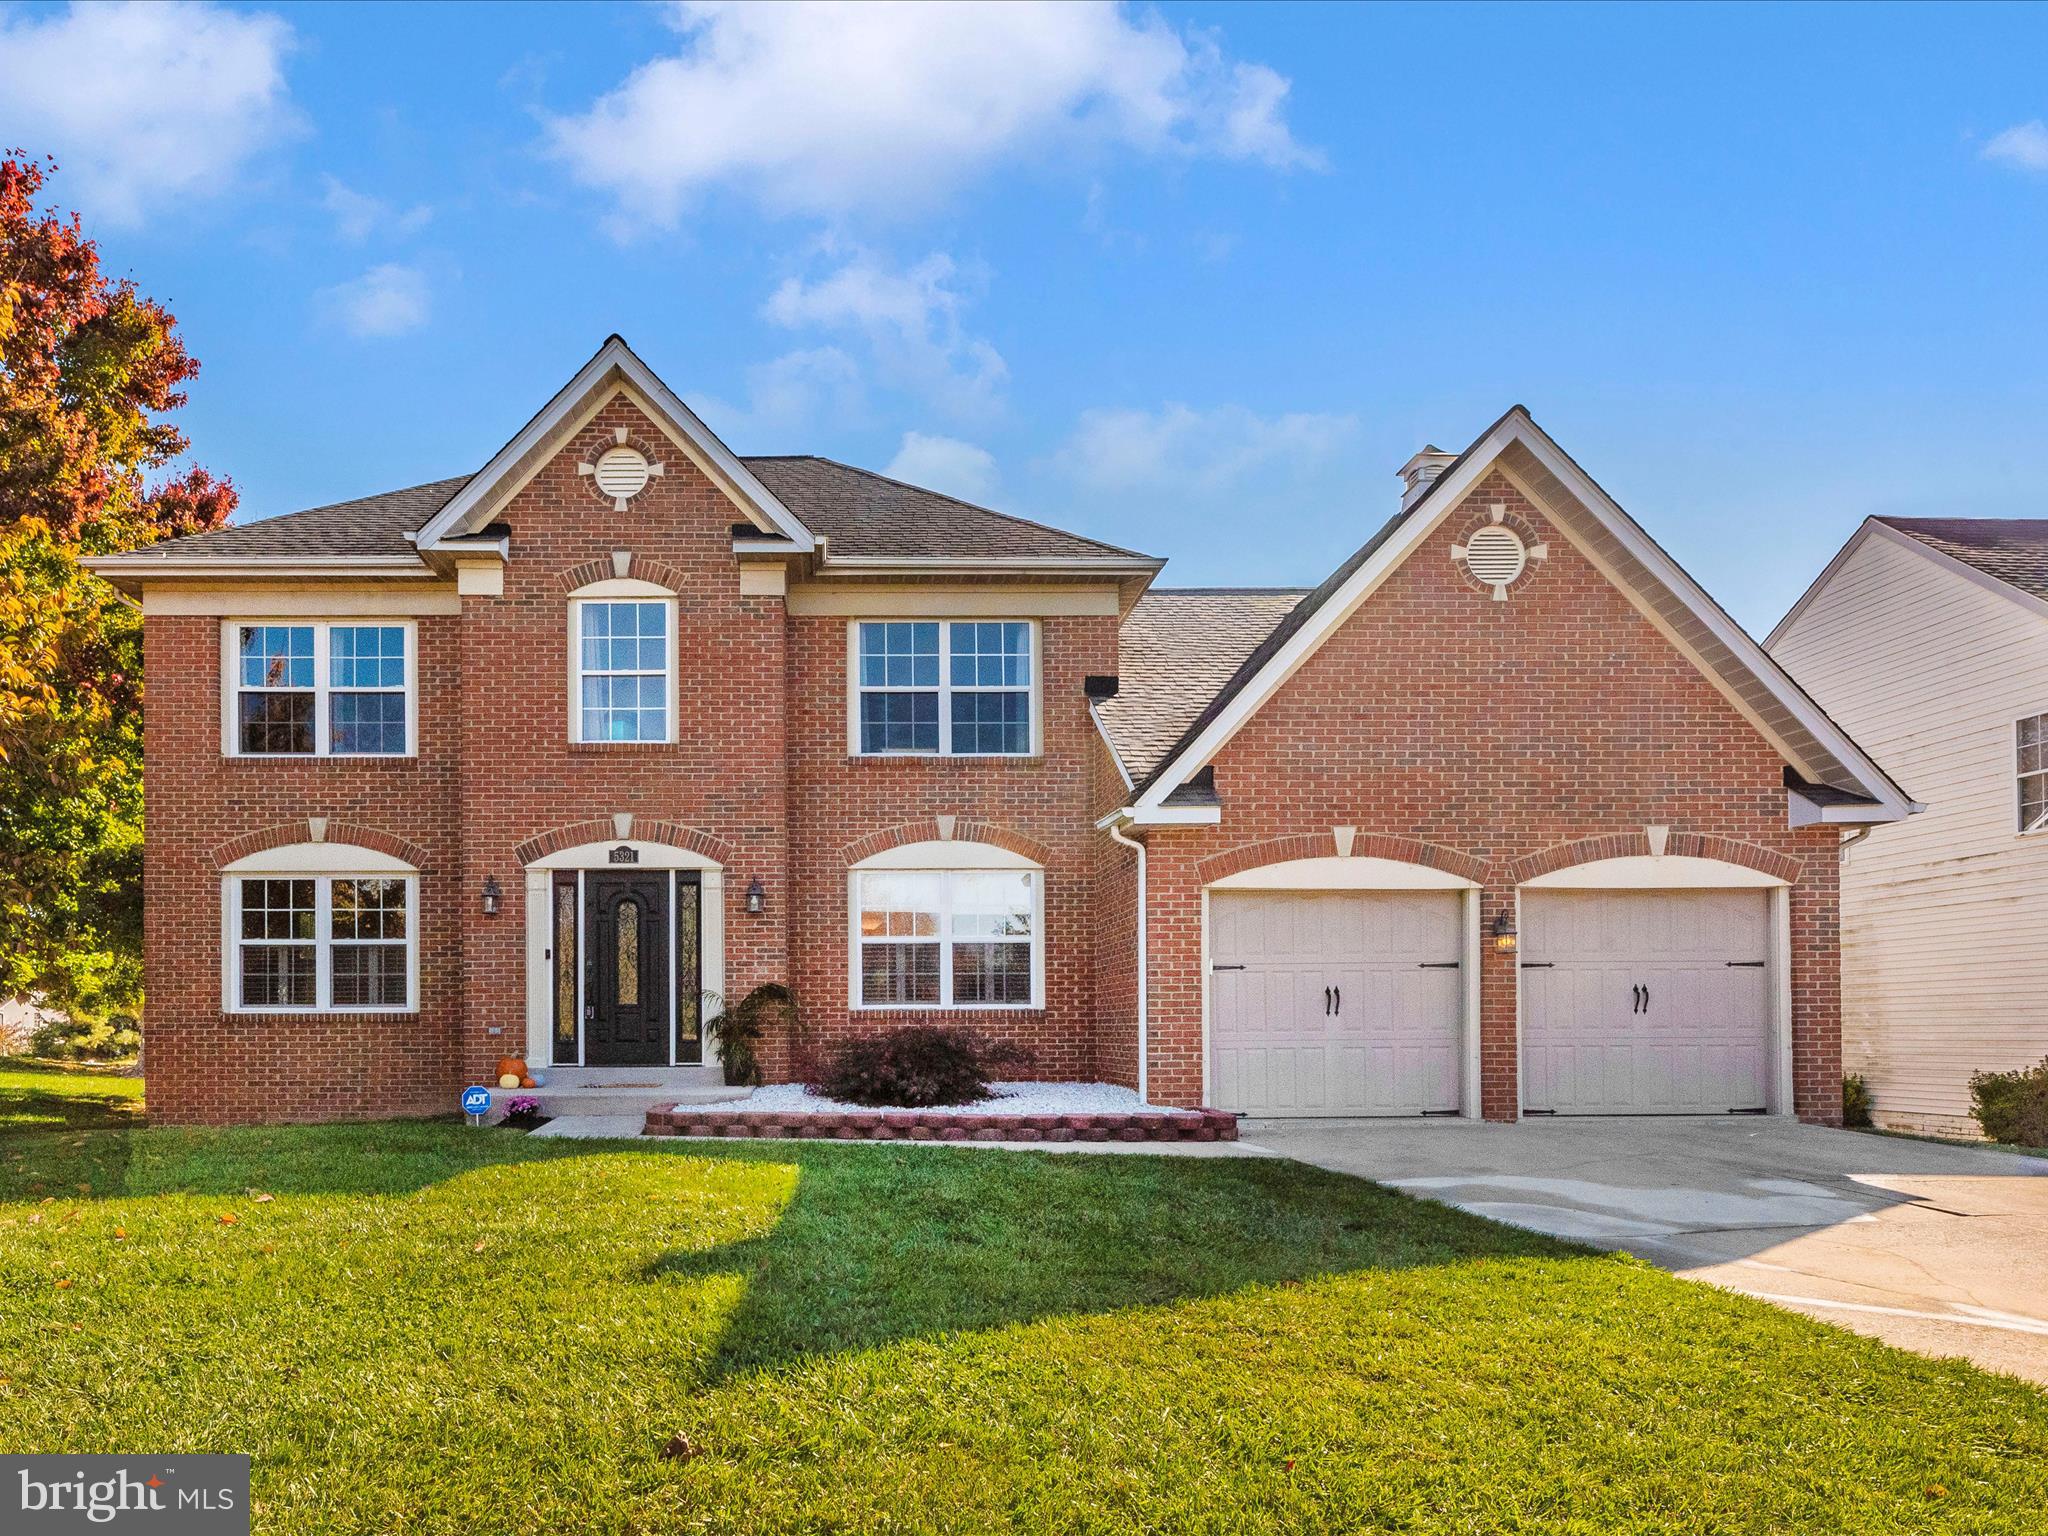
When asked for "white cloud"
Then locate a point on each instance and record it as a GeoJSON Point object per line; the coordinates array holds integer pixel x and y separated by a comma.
{"type": "Point", "coordinates": [822, 108]}
{"type": "Point", "coordinates": [945, 464]}
{"type": "Point", "coordinates": [358, 215]}
{"type": "Point", "coordinates": [1202, 452]}
{"type": "Point", "coordinates": [387, 300]}
{"type": "Point", "coordinates": [2024, 146]}
{"type": "Point", "coordinates": [144, 106]}
{"type": "Point", "coordinates": [911, 321]}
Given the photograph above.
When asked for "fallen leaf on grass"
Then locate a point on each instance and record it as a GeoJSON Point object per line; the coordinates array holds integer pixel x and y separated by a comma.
{"type": "Point", "coordinates": [479, 1248]}
{"type": "Point", "coordinates": [63, 1285]}
{"type": "Point", "coordinates": [120, 1234]}
{"type": "Point", "coordinates": [260, 1198]}
{"type": "Point", "coordinates": [229, 1219]}
{"type": "Point", "coordinates": [679, 1447]}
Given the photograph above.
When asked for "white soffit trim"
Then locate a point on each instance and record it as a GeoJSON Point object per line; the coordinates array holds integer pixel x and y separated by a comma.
{"type": "Point", "coordinates": [1442, 500]}
{"type": "Point", "coordinates": [1343, 874]}
{"type": "Point", "coordinates": [615, 362]}
{"type": "Point", "coordinates": [947, 855]}
{"type": "Point", "coordinates": [1109, 746]}
{"type": "Point", "coordinates": [319, 859]}
{"type": "Point", "coordinates": [1640, 872]}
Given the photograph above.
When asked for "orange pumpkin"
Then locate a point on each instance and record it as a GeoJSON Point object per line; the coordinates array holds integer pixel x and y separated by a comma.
{"type": "Point", "coordinates": [511, 1066]}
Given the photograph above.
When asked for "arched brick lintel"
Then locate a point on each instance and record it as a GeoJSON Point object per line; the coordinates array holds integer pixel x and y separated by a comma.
{"type": "Point", "coordinates": [1323, 845]}
{"type": "Point", "coordinates": [965, 830]}
{"type": "Point", "coordinates": [646, 829]}
{"type": "Point", "coordinates": [287, 833]}
{"type": "Point", "coordinates": [1636, 844]}
{"type": "Point", "coordinates": [639, 569]}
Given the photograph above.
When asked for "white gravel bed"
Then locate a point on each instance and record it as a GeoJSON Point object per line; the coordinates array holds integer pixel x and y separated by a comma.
{"type": "Point", "coordinates": [1010, 1099]}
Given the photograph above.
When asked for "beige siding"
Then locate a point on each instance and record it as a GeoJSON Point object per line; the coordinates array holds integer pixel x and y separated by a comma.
{"type": "Point", "coordinates": [1944, 971]}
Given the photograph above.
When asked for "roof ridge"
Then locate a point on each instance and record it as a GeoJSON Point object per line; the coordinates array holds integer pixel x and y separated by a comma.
{"type": "Point", "coordinates": [1229, 591]}
{"type": "Point", "coordinates": [961, 501]}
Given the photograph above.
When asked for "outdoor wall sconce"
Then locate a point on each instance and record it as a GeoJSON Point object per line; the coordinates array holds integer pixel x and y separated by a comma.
{"type": "Point", "coordinates": [1503, 932]}
{"type": "Point", "coordinates": [757, 898]}
{"type": "Point", "coordinates": [491, 895]}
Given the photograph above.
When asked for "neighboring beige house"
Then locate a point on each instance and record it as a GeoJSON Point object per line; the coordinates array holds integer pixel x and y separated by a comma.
{"type": "Point", "coordinates": [1927, 640]}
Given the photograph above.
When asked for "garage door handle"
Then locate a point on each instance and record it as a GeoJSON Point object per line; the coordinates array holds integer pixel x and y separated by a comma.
{"type": "Point", "coordinates": [1439, 965]}
{"type": "Point", "coordinates": [1637, 993]}
{"type": "Point", "coordinates": [1746, 965]}
{"type": "Point", "coordinates": [1646, 999]}
{"type": "Point", "coordinates": [1326, 1002]}
{"type": "Point", "coordinates": [1340, 1001]}
{"type": "Point", "coordinates": [1226, 967]}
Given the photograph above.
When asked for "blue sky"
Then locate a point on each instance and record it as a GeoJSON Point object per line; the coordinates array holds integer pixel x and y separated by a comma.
{"type": "Point", "coordinates": [1195, 279]}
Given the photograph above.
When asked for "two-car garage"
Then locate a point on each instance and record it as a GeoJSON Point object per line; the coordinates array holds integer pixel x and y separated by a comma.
{"type": "Point", "coordinates": [1635, 998]}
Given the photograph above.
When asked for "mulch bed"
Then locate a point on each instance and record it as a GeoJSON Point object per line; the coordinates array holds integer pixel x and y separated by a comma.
{"type": "Point", "coordinates": [913, 1125]}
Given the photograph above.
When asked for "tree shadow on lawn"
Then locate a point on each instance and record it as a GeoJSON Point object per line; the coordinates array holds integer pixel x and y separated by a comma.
{"type": "Point", "coordinates": [879, 1245]}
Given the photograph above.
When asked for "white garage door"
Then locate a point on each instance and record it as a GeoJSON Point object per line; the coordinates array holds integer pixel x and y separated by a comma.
{"type": "Point", "coordinates": [1334, 1002]}
{"type": "Point", "coordinates": [1645, 1002]}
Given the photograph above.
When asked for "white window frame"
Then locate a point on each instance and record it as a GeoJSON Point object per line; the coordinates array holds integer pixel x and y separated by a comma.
{"type": "Point", "coordinates": [323, 685]}
{"type": "Point", "coordinates": [942, 860]}
{"type": "Point", "coordinates": [620, 590]}
{"type": "Point", "coordinates": [2018, 786]}
{"type": "Point", "coordinates": [323, 864]}
{"type": "Point", "coordinates": [855, 688]}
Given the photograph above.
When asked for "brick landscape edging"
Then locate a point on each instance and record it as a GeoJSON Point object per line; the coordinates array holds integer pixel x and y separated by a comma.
{"type": "Point", "coordinates": [915, 1125]}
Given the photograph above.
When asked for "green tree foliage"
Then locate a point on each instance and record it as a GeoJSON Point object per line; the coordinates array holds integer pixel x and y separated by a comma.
{"type": "Point", "coordinates": [88, 369]}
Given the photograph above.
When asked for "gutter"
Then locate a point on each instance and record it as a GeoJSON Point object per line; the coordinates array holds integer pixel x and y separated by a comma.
{"type": "Point", "coordinates": [1144, 1012]}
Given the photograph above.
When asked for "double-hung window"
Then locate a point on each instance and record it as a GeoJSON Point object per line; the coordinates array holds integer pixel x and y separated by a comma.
{"type": "Point", "coordinates": [320, 689]}
{"type": "Point", "coordinates": [954, 938]}
{"type": "Point", "coordinates": [625, 669]}
{"type": "Point", "coordinates": [307, 942]}
{"type": "Point", "coordinates": [947, 687]}
{"type": "Point", "coordinates": [2032, 741]}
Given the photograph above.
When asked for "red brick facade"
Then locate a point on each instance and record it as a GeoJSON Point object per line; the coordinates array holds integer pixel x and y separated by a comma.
{"type": "Point", "coordinates": [1494, 740]}
{"type": "Point", "coordinates": [1497, 741]}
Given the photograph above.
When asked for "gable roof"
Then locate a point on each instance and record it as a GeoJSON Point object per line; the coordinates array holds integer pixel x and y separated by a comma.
{"type": "Point", "coordinates": [1660, 589]}
{"type": "Point", "coordinates": [794, 504]}
{"type": "Point", "coordinates": [2005, 555]}
{"type": "Point", "coordinates": [1175, 652]}
{"type": "Point", "coordinates": [2014, 549]}
{"type": "Point", "coordinates": [612, 365]}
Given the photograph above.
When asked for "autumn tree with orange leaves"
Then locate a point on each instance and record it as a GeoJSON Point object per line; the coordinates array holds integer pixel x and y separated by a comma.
{"type": "Point", "coordinates": [89, 369]}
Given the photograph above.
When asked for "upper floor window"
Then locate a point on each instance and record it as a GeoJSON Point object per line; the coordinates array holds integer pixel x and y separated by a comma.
{"type": "Point", "coordinates": [958, 687]}
{"type": "Point", "coordinates": [321, 689]}
{"type": "Point", "coordinates": [624, 669]}
{"type": "Point", "coordinates": [2032, 734]}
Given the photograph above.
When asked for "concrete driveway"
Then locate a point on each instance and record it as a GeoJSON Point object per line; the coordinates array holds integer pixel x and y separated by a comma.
{"type": "Point", "coordinates": [1933, 1248]}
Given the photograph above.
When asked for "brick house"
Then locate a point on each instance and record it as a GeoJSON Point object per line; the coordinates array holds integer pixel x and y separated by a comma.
{"type": "Point", "coordinates": [548, 760]}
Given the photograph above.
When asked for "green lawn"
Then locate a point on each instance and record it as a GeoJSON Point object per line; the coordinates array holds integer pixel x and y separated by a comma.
{"type": "Point", "coordinates": [425, 1328]}
{"type": "Point", "coordinates": [50, 1095]}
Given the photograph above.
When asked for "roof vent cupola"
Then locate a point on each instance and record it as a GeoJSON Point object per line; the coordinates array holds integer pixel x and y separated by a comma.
{"type": "Point", "coordinates": [1421, 472]}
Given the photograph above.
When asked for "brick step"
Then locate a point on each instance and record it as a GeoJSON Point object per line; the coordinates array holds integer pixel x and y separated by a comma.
{"type": "Point", "coordinates": [916, 1125]}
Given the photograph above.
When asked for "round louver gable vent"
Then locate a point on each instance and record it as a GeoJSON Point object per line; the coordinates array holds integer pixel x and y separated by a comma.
{"type": "Point", "coordinates": [621, 473]}
{"type": "Point", "coordinates": [1495, 556]}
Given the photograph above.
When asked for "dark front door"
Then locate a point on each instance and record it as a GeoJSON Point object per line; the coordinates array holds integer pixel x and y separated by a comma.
{"type": "Point", "coordinates": [626, 969]}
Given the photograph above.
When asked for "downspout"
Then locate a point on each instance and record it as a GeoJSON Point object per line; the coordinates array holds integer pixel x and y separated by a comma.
{"type": "Point", "coordinates": [1144, 1014]}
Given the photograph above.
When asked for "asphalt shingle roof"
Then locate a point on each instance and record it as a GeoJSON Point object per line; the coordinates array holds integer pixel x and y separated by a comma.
{"type": "Point", "coordinates": [2014, 549]}
{"type": "Point", "coordinates": [369, 525]}
{"type": "Point", "coordinates": [1177, 649]}
{"type": "Point", "coordinates": [857, 511]}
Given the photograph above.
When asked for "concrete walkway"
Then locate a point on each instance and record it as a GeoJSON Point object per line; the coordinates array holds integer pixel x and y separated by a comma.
{"type": "Point", "coordinates": [1935, 1248]}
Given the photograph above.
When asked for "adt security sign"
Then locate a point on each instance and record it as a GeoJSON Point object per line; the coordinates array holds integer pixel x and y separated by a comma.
{"type": "Point", "coordinates": [476, 1102]}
